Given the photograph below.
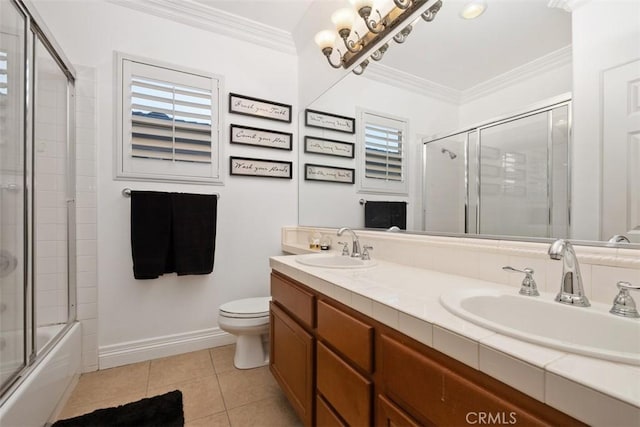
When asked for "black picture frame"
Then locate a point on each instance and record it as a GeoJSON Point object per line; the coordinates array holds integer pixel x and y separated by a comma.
{"type": "Point", "coordinates": [330, 121]}
{"type": "Point", "coordinates": [261, 108]}
{"type": "Point", "coordinates": [326, 173]}
{"type": "Point", "coordinates": [265, 138]}
{"type": "Point", "coordinates": [329, 147]}
{"type": "Point", "coordinates": [264, 168]}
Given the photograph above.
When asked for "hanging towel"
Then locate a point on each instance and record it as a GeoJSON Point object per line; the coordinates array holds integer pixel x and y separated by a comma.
{"type": "Point", "coordinates": [385, 214]}
{"type": "Point", "coordinates": [194, 232]}
{"type": "Point", "coordinates": [151, 234]}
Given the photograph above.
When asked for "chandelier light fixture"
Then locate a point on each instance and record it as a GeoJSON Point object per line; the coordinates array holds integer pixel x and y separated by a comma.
{"type": "Point", "coordinates": [356, 47]}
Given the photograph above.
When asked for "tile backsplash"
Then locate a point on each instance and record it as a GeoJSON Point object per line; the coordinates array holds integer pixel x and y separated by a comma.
{"type": "Point", "coordinates": [483, 259]}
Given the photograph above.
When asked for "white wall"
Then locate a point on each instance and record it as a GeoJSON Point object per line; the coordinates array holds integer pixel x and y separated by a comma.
{"type": "Point", "coordinates": [251, 211]}
{"type": "Point", "coordinates": [606, 34]}
{"type": "Point", "coordinates": [330, 204]}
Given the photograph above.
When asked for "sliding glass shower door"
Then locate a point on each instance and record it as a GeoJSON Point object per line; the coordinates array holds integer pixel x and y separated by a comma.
{"type": "Point", "coordinates": [12, 193]}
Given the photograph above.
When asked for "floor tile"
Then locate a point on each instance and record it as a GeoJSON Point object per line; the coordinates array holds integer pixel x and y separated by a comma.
{"type": "Point", "coordinates": [274, 411]}
{"type": "Point", "coordinates": [218, 420]}
{"type": "Point", "coordinates": [222, 358]}
{"type": "Point", "coordinates": [110, 384]}
{"type": "Point", "coordinates": [73, 410]}
{"type": "Point", "coordinates": [240, 387]}
{"type": "Point", "coordinates": [200, 398]}
{"type": "Point", "coordinates": [180, 368]}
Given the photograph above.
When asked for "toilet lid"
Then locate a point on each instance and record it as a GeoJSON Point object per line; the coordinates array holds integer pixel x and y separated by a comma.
{"type": "Point", "coordinates": [248, 307]}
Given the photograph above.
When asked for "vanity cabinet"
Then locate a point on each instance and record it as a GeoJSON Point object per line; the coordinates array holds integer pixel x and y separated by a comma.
{"type": "Point", "coordinates": [291, 357]}
{"type": "Point", "coordinates": [339, 367]}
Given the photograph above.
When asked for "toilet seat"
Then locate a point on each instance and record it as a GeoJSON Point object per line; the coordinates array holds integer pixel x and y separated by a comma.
{"type": "Point", "coordinates": [248, 308]}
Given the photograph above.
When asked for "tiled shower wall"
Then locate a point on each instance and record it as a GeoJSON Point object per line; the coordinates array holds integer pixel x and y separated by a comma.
{"type": "Point", "coordinates": [86, 215]}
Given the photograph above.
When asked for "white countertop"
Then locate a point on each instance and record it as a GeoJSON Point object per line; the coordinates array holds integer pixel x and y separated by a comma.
{"type": "Point", "coordinates": [595, 391]}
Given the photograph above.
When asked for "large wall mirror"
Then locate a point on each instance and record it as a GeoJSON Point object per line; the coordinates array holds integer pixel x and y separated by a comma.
{"type": "Point", "coordinates": [466, 129]}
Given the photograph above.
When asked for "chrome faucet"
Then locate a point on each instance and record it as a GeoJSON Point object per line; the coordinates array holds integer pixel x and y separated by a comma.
{"type": "Point", "coordinates": [355, 251]}
{"type": "Point", "coordinates": [571, 289]}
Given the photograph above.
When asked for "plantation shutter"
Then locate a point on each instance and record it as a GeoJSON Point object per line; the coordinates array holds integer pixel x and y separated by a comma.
{"type": "Point", "coordinates": [383, 152]}
{"type": "Point", "coordinates": [170, 127]}
{"type": "Point", "coordinates": [170, 121]}
{"type": "Point", "coordinates": [3, 74]}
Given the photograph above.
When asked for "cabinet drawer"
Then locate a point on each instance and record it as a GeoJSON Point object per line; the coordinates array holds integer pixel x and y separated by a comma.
{"type": "Point", "coordinates": [291, 362]}
{"type": "Point", "coordinates": [294, 299]}
{"type": "Point", "coordinates": [389, 415]}
{"type": "Point", "coordinates": [348, 335]}
{"type": "Point", "coordinates": [348, 392]}
{"type": "Point", "coordinates": [325, 417]}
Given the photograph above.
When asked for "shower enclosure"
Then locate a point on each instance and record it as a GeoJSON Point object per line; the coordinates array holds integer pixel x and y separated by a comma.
{"type": "Point", "coordinates": [506, 177]}
{"type": "Point", "coordinates": [37, 187]}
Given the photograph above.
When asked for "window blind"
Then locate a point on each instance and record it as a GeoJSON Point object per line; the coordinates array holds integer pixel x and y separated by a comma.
{"type": "Point", "coordinates": [383, 152]}
{"type": "Point", "coordinates": [170, 121]}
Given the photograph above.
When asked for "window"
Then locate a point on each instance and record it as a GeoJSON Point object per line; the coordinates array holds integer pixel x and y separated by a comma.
{"type": "Point", "coordinates": [383, 164]}
{"type": "Point", "coordinates": [169, 123]}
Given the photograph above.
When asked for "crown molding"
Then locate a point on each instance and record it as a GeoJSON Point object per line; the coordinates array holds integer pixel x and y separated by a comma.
{"type": "Point", "coordinates": [391, 76]}
{"type": "Point", "coordinates": [540, 65]}
{"type": "Point", "coordinates": [211, 19]}
{"type": "Point", "coordinates": [567, 5]}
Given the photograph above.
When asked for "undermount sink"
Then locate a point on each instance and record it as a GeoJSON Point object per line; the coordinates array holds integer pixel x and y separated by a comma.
{"type": "Point", "coordinates": [591, 331]}
{"type": "Point", "coordinates": [334, 261]}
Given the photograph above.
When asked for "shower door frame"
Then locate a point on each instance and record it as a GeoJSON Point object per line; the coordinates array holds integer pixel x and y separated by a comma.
{"type": "Point", "coordinates": [545, 106]}
{"type": "Point", "coordinates": [36, 30]}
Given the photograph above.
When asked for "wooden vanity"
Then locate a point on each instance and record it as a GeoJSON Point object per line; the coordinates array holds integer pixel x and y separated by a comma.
{"type": "Point", "coordinates": [339, 367]}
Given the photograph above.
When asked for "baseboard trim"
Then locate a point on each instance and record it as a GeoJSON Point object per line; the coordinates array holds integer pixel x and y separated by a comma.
{"type": "Point", "coordinates": [114, 355]}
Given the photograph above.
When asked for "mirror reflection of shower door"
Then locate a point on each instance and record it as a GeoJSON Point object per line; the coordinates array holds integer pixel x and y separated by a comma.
{"type": "Point", "coordinates": [520, 160]}
{"type": "Point", "coordinates": [12, 196]}
{"type": "Point", "coordinates": [445, 184]}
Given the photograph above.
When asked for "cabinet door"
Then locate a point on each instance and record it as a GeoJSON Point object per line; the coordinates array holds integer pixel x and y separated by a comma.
{"type": "Point", "coordinates": [389, 415]}
{"type": "Point", "coordinates": [291, 362]}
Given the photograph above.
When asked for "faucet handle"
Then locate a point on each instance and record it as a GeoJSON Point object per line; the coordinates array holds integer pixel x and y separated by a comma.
{"type": "Point", "coordinates": [345, 248]}
{"type": "Point", "coordinates": [528, 286]}
{"type": "Point", "coordinates": [623, 303]}
{"type": "Point", "coordinates": [365, 253]}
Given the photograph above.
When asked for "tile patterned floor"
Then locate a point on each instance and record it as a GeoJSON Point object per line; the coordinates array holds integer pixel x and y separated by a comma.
{"type": "Point", "coordinates": [214, 392]}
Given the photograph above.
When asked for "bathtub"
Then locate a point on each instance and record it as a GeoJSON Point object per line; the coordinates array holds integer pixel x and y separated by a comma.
{"type": "Point", "coordinates": [38, 394]}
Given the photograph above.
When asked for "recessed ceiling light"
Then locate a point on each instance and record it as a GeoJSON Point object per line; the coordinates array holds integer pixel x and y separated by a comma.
{"type": "Point", "coordinates": [473, 9]}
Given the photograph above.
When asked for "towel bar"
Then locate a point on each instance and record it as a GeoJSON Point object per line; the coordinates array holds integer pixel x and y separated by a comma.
{"type": "Point", "coordinates": [126, 192]}
{"type": "Point", "coordinates": [363, 201]}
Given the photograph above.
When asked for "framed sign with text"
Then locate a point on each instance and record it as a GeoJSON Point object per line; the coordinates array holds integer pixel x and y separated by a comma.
{"type": "Point", "coordinates": [260, 137]}
{"type": "Point", "coordinates": [244, 166]}
{"type": "Point", "coordinates": [319, 119]}
{"type": "Point", "coordinates": [329, 174]}
{"type": "Point", "coordinates": [328, 147]}
{"type": "Point", "coordinates": [248, 106]}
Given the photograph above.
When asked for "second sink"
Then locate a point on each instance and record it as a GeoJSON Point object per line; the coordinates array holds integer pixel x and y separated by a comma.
{"type": "Point", "coordinates": [590, 331]}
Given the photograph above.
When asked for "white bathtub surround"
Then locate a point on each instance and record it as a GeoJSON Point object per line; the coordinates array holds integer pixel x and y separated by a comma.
{"type": "Point", "coordinates": [403, 291]}
{"type": "Point", "coordinates": [47, 386]}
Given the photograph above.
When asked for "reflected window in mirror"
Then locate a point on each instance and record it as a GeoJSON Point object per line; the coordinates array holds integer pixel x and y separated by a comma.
{"type": "Point", "coordinates": [383, 162]}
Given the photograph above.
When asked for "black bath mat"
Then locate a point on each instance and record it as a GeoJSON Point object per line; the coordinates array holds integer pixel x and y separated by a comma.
{"type": "Point", "coordinates": [158, 411]}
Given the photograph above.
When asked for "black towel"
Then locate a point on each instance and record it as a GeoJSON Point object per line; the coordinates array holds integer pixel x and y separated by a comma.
{"type": "Point", "coordinates": [151, 234]}
{"type": "Point", "coordinates": [385, 214]}
{"type": "Point", "coordinates": [194, 232]}
{"type": "Point", "coordinates": [172, 232]}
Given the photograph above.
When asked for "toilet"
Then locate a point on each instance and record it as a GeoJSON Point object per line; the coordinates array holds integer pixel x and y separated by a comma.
{"type": "Point", "coordinates": [248, 320]}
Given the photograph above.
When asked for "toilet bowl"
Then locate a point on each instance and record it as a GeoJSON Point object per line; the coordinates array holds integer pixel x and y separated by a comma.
{"type": "Point", "coordinates": [248, 320]}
